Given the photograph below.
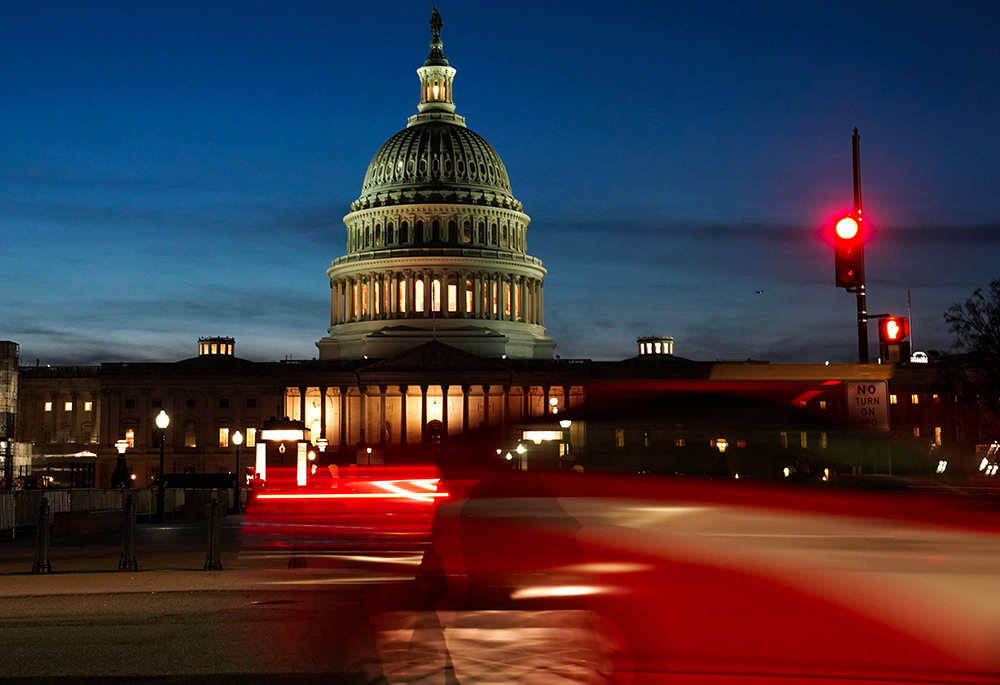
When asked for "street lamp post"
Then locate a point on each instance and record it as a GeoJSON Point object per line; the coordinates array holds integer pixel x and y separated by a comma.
{"type": "Point", "coordinates": [237, 440]}
{"type": "Point", "coordinates": [162, 421]}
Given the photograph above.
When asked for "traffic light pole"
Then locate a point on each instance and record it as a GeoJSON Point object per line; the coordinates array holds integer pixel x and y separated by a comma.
{"type": "Point", "coordinates": [862, 306]}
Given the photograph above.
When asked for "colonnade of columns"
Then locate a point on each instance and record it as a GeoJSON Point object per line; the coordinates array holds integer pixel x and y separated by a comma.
{"type": "Point", "coordinates": [343, 415]}
{"type": "Point", "coordinates": [406, 294]}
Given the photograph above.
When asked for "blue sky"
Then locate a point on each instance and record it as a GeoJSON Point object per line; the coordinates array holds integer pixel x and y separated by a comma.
{"type": "Point", "coordinates": [170, 170]}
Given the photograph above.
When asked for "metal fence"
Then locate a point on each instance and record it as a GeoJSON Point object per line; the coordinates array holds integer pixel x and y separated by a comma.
{"type": "Point", "coordinates": [20, 509]}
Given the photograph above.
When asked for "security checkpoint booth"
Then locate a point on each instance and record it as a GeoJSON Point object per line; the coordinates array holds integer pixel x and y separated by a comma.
{"type": "Point", "coordinates": [283, 454]}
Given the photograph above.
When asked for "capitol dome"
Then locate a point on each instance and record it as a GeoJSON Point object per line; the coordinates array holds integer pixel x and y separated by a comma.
{"type": "Point", "coordinates": [436, 243]}
{"type": "Point", "coordinates": [436, 161]}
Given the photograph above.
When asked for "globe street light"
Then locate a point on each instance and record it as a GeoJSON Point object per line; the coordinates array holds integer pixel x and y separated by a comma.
{"type": "Point", "coordinates": [237, 440]}
{"type": "Point", "coordinates": [162, 421]}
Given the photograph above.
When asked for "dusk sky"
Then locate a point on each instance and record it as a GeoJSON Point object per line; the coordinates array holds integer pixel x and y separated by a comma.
{"type": "Point", "coordinates": [170, 170]}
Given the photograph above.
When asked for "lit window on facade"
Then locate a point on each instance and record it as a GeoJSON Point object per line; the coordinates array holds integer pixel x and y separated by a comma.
{"type": "Point", "coordinates": [916, 431]}
{"type": "Point", "coordinates": [68, 406]}
{"type": "Point", "coordinates": [418, 296]}
{"type": "Point", "coordinates": [130, 437]}
{"type": "Point", "coordinates": [619, 437]}
{"type": "Point", "coordinates": [251, 437]}
{"type": "Point", "coordinates": [435, 295]}
{"type": "Point", "coordinates": [937, 435]}
{"type": "Point", "coordinates": [493, 290]}
{"type": "Point", "coordinates": [48, 406]}
{"type": "Point", "coordinates": [452, 297]}
{"type": "Point", "coordinates": [915, 399]}
{"type": "Point", "coordinates": [88, 406]}
{"type": "Point", "coordinates": [506, 299]}
{"type": "Point", "coordinates": [468, 296]}
{"type": "Point", "coordinates": [803, 440]}
{"type": "Point", "coordinates": [191, 434]}
{"type": "Point", "coordinates": [223, 437]}
{"type": "Point", "coordinates": [784, 439]}
{"type": "Point", "coordinates": [822, 404]}
{"type": "Point", "coordinates": [893, 399]}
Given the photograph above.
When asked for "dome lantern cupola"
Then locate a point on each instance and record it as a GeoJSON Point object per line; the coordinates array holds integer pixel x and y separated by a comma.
{"type": "Point", "coordinates": [436, 79]}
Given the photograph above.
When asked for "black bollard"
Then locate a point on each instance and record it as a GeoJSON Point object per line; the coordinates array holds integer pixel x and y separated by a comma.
{"type": "Point", "coordinates": [127, 562]}
{"type": "Point", "coordinates": [212, 560]}
{"type": "Point", "coordinates": [42, 564]}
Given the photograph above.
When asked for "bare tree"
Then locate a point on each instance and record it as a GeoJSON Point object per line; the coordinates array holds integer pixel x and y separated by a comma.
{"type": "Point", "coordinates": [975, 326]}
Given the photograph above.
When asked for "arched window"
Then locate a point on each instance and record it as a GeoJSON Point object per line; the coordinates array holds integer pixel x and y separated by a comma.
{"type": "Point", "coordinates": [418, 236]}
{"type": "Point", "coordinates": [418, 295]}
{"type": "Point", "coordinates": [390, 234]}
{"type": "Point", "coordinates": [378, 235]}
{"type": "Point", "coordinates": [452, 297]}
{"type": "Point", "coordinates": [468, 296]}
{"type": "Point", "coordinates": [467, 232]}
{"type": "Point", "coordinates": [436, 295]}
{"type": "Point", "coordinates": [451, 231]}
{"type": "Point", "coordinates": [404, 232]}
{"type": "Point", "coordinates": [435, 231]}
{"type": "Point", "coordinates": [402, 295]}
{"type": "Point", "coordinates": [191, 434]}
{"type": "Point", "coordinates": [481, 233]}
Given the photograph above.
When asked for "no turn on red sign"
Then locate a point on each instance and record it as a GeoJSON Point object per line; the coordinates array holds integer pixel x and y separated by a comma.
{"type": "Point", "coordinates": [868, 404]}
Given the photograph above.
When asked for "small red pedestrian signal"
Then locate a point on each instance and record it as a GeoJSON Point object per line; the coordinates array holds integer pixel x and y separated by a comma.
{"type": "Point", "coordinates": [848, 253]}
{"type": "Point", "coordinates": [893, 329]}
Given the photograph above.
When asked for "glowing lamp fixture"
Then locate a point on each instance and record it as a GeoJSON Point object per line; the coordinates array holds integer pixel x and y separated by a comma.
{"type": "Point", "coordinates": [162, 420]}
{"type": "Point", "coordinates": [565, 423]}
{"type": "Point", "coordinates": [121, 446]}
{"type": "Point", "coordinates": [237, 438]}
{"type": "Point", "coordinates": [521, 449]}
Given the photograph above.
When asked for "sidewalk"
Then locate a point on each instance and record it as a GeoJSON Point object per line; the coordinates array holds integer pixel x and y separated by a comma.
{"type": "Point", "coordinates": [170, 558]}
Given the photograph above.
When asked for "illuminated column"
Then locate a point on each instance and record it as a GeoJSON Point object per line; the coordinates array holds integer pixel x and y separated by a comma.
{"type": "Point", "coordinates": [465, 408]}
{"type": "Point", "coordinates": [333, 303]}
{"type": "Point", "coordinates": [427, 297]}
{"type": "Point", "coordinates": [343, 416]}
{"type": "Point", "coordinates": [410, 294]}
{"type": "Point", "coordinates": [381, 414]}
{"type": "Point", "coordinates": [477, 294]}
{"type": "Point", "coordinates": [363, 413]}
{"type": "Point", "coordinates": [322, 411]}
{"type": "Point", "coordinates": [348, 299]}
{"type": "Point", "coordinates": [423, 413]}
{"type": "Point", "coordinates": [501, 297]}
{"type": "Point", "coordinates": [402, 415]}
{"type": "Point", "coordinates": [488, 282]}
{"type": "Point", "coordinates": [486, 406]}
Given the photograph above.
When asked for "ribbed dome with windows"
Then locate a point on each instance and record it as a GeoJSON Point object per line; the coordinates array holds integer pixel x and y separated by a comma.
{"type": "Point", "coordinates": [436, 244]}
{"type": "Point", "coordinates": [436, 161]}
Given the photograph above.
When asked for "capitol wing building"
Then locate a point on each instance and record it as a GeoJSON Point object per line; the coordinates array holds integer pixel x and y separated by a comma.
{"type": "Point", "coordinates": [437, 243]}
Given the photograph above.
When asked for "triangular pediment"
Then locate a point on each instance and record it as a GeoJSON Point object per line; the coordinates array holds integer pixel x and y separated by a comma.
{"type": "Point", "coordinates": [435, 358]}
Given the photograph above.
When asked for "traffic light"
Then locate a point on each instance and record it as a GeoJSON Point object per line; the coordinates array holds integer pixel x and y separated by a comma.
{"type": "Point", "coordinates": [849, 263]}
{"type": "Point", "coordinates": [892, 342]}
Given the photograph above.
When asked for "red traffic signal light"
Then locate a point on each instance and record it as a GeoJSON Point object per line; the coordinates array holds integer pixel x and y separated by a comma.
{"type": "Point", "coordinates": [893, 329]}
{"type": "Point", "coordinates": [848, 242]}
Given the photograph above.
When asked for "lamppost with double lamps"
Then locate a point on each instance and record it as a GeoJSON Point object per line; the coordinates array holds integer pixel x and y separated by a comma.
{"type": "Point", "coordinates": [162, 421]}
{"type": "Point", "coordinates": [237, 440]}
